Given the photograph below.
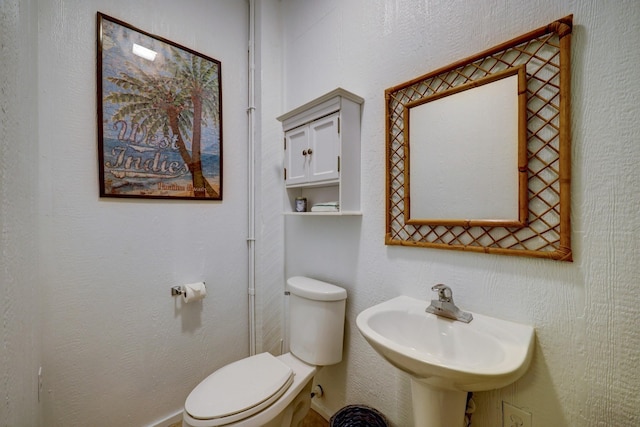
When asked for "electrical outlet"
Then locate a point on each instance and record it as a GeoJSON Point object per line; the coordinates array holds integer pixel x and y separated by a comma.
{"type": "Point", "coordinates": [515, 417]}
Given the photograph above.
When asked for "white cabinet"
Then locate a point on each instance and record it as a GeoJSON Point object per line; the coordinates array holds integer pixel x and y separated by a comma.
{"type": "Point", "coordinates": [312, 152]}
{"type": "Point", "coordinates": [322, 153]}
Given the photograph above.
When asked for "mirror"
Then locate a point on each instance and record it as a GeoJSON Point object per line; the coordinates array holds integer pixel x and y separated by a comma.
{"type": "Point", "coordinates": [466, 148]}
{"type": "Point", "coordinates": [478, 153]}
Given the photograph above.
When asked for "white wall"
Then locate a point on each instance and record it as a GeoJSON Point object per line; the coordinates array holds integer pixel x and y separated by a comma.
{"type": "Point", "coordinates": [584, 372]}
{"type": "Point", "coordinates": [20, 320]}
{"type": "Point", "coordinates": [269, 197]}
{"type": "Point", "coordinates": [117, 348]}
{"type": "Point", "coordinates": [92, 276]}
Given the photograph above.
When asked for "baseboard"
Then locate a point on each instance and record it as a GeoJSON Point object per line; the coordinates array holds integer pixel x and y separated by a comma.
{"type": "Point", "coordinates": [166, 422]}
{"type": "Point", "coordinates": [321, 410]}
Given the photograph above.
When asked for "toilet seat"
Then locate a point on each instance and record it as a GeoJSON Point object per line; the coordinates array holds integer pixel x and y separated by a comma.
{"type": "Point", "coordinates": [239, 390]}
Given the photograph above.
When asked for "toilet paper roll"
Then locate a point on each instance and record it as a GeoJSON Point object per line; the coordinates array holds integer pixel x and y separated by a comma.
{"type": "Point", "coordinates": [193, 292]}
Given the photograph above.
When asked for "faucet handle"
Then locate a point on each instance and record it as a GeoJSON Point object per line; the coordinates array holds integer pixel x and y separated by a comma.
{"type": "Point", "coordinates": [444, 292]}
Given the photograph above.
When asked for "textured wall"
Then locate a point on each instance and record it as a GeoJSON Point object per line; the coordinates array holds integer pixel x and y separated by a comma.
{"type": "Point", "coordinates": [20, 347]}
{"type": "Point", "coordinates": [584, 372]}
{"type": "Point", "coordinates": [269, 197]}
{"type": "Point", "coordinates": [118, 349]}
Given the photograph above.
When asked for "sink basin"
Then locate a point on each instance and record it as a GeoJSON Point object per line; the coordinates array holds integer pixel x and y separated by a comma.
{"type": "Point", "coordinates": [446, 358]}
{"type": "Point", "coordinates": [485, 354]}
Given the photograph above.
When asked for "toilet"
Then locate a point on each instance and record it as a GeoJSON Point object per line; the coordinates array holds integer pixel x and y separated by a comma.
{"type": "Point", "coordinates": [269, 391]}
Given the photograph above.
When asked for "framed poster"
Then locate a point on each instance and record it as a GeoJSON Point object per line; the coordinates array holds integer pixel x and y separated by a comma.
{"type": "Point", "coordinates": [160, 116]}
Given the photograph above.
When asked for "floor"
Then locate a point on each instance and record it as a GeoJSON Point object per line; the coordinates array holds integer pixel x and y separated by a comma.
{"type": "Point", "coordinates": [313, 419]}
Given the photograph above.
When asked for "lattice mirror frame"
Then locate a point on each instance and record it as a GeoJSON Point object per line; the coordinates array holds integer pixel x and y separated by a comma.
{"type": "Point", "coordinates": [545, 55]}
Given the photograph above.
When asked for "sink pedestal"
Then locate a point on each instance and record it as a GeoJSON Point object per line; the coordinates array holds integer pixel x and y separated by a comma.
{"type": "Point", "coordinates": [437, 407]}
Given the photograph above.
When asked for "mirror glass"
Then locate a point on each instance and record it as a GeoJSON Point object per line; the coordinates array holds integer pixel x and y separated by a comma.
{"type": "Point", "coordinates": [463, 147]}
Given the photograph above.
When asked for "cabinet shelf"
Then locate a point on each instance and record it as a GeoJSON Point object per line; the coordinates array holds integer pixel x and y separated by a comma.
{"type": "Point", "coordinates": [322, 153]}
{"type": "Point", "coordinates": [341, 213]}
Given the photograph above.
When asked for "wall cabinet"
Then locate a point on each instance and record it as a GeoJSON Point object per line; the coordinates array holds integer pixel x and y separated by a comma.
{"type": "Point", "coordinates": [322, 153]}
{"type": "Point", "coordinates": [312, 152]}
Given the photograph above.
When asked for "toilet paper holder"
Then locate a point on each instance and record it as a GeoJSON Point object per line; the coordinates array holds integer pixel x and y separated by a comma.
{"type": "Point", "coordinates": [190, 292]}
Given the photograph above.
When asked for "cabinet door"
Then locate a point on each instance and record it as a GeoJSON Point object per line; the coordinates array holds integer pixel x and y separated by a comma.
{"type": "Point", "coordinates": [324, 143]}
{"type": "Point", "coordinates": [297, 144]}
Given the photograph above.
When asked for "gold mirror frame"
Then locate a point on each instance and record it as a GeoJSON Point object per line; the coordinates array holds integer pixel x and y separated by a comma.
{"type": "Point", "coordinates": [545, 231]}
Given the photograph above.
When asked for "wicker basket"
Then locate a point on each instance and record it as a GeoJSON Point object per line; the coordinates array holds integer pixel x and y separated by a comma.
{"type": "Point", "coordinates": [358, 416]}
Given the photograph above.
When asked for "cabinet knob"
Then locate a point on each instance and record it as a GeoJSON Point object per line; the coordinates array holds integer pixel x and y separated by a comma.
{"type": "Point", "coordinates": [309, 151]}
{"type": "Point", "coordinates": [304, 152]}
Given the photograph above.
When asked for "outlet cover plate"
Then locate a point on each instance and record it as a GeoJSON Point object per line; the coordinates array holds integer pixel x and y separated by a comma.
{"type": "Point", "coordinates": [513, 416]}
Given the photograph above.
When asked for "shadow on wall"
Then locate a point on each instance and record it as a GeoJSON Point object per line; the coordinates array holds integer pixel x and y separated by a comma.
{"type": "Point", "coordinates": [535, 393]}
{"type": "Point", "coordinates": [190, 314]}
{"type": "Point", "coordinates": [324, 248]}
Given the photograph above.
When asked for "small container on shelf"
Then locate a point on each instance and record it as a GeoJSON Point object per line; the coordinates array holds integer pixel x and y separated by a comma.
{"type": "Point", "coordinates": [301, 204]}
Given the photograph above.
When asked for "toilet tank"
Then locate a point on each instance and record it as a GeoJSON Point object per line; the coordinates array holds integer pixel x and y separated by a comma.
{"type": "Point", "coordinates": [316, 320]}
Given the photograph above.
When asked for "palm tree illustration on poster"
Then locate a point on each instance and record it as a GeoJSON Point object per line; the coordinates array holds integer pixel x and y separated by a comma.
{"type": "Point", "coordinates": [161, 117]}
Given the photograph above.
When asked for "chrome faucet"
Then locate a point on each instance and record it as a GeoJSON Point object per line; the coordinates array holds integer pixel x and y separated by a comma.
{"type": "Point", "coordinates": [444, 306]}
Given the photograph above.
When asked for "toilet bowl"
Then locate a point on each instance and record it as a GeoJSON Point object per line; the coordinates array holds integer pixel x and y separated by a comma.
{"type": "Point", "coordinates": [268, 391]}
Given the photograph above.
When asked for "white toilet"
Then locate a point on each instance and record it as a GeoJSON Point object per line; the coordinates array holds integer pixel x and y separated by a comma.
{"type": "Point", "coordinates": [269, 391]}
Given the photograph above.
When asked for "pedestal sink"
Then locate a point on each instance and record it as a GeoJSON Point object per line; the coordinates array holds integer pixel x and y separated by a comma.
{"type": "Point", "coordinates": [445, 358]}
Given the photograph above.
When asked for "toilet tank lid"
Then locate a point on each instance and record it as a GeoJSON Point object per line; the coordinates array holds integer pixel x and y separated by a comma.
{"type": "Point", "coordinates": [316, 290]}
